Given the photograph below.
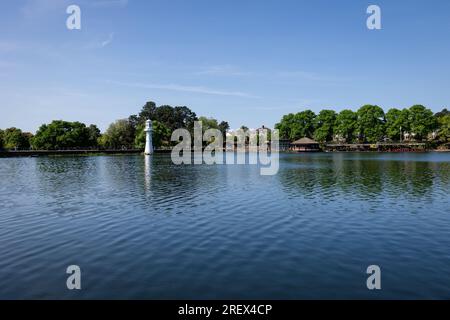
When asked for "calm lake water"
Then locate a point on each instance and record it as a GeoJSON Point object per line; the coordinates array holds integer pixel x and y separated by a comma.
{"type": "Point", "coordinates": [153, 230]}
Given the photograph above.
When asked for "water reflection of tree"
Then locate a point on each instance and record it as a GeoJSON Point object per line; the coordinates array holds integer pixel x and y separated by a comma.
{"type": "Point", "coordinates": [63, 175]}
{"type": "Point", "coordinates": [346, 175]}
{"type": "Point", "coordinates": [442, 170]}
{"type": "Point", "coordinates": [64, 184]}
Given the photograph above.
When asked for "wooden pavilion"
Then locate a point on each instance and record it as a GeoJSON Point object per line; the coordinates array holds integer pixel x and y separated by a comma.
{"type": "Point", "coordinates": [305, 145]}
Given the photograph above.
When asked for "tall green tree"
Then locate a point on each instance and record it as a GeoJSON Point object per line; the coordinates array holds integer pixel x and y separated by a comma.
{"type": "Point", "coordinates": [224, 127]}
{"type": "Point", "coordinates": [27, 138]}
{"type": "Point", "coordinates": [165, 119]}
{"type": "Point", "coordinates": [93, 135]}
{"type": "Point", "coordinates": [397, 122]}
{"type": "Point", "coordinates": [14, 138]}
{"type": "Point", "coordinates": [134, 120]}
{"type": "Point", "coordinates": [160, 135]}
{"type": "Point", "coordinates": [285, 126]}
{"type": "Point", "coordinates": [119, 135]}
{"type": "Point", "coordinates": [147, 112]}
{"type": "Point", "coordinates": [444, 128]}
{"type": "Point", "coordinates": [175, 118]}
{"type": "Point", "coordinates": [371, 123]}
{"type": "Point", "coordinates": [422, 121]}
{"type": "Point", "coordinates": [1, 138]}
{"type": "Point", "coordinates": [184, 117]}
{"type": "Point", "coordinates": [61, 134]}
{"type": "Point", "coordinates": [208, 123]}
{"type": "Point", "coordinates": [346, 125]}
{"type": "Point", "coordinates": [172, 117]}
{"type": "Point", "coordinates": [303, 125]}
{"type": "Point", "coordinates": [166, 114]}
{"type": "Point", "coordinates": [295, 126]}
{"type": "Point", "coordinates": [442, 113]}
{"type": "Point", "coordinates": [324, 125]}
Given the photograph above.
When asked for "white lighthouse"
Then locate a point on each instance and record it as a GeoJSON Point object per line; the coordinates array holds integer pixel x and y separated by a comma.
{"type": "Point", "coordinates": [148, 137]}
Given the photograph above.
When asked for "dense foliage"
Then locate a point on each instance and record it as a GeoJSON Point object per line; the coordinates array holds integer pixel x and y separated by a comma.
{"type": "Point", "coordinates": [161, 135]}
{"type": "Point", "coordinates": [129, 133]}
{"type": "Point", "coordinates": [346, 125]}
{"type": "Point", "coordinates": [165, 119]}
{"type": "Point", "coordinates": [444, 127]}
{"type": "Point", "coordinates": [60, 135]}
{"type": "Point", "coordinates": [13, 138]}
{"type": "Point", "coordinates": [119, 135]}
{"type": "Point", "coordinates": [171, 117]}
{"type": "Point", "coordinates": [295, 126]}
{"type": "Point", "coordinates": [369, 124]}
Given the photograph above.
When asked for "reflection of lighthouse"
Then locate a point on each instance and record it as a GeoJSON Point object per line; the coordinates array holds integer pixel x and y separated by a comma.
{"type": "Point", "coordinates": [147, 172]}
{"type": "Point", "coordinates": [148, 138]}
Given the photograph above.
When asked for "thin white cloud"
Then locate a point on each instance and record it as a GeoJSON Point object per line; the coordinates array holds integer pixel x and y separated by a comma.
{"type": "Point", "coordinates": [183, 88]}
{"type": "Point", "coordinates": [108, 41]}
{"type": "Point", "coordinates": [99, 44]}
{"type": "Point", "coordinates": [230, 70]}
{"type": "Point", "coordinates": [223, 70]}
{"type": "Point", "coordinates": [306, 75]}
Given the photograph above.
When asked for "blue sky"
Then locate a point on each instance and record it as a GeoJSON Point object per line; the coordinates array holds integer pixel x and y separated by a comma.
{"type": "Point", "coordinates": [246, 62]}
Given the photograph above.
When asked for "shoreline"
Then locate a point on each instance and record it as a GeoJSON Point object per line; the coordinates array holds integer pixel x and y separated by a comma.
{"type": "Point", "coordinates": [39, 153]}
{"type": "Point", "coordinates": [44, 153]}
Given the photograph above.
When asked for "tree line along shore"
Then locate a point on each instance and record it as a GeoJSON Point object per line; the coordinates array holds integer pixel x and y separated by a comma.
{"type": "Point", "coordinates": [369, 124]}
{"type": "Point", "coordinates": [123, 134]}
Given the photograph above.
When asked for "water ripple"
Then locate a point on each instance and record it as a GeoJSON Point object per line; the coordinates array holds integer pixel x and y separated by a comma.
{"type": "Point", "coordinates": [148, 229]}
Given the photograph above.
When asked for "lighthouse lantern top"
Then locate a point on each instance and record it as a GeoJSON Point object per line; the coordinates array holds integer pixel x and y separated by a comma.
{"type": "Point", "coordinates": [148, 125]}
